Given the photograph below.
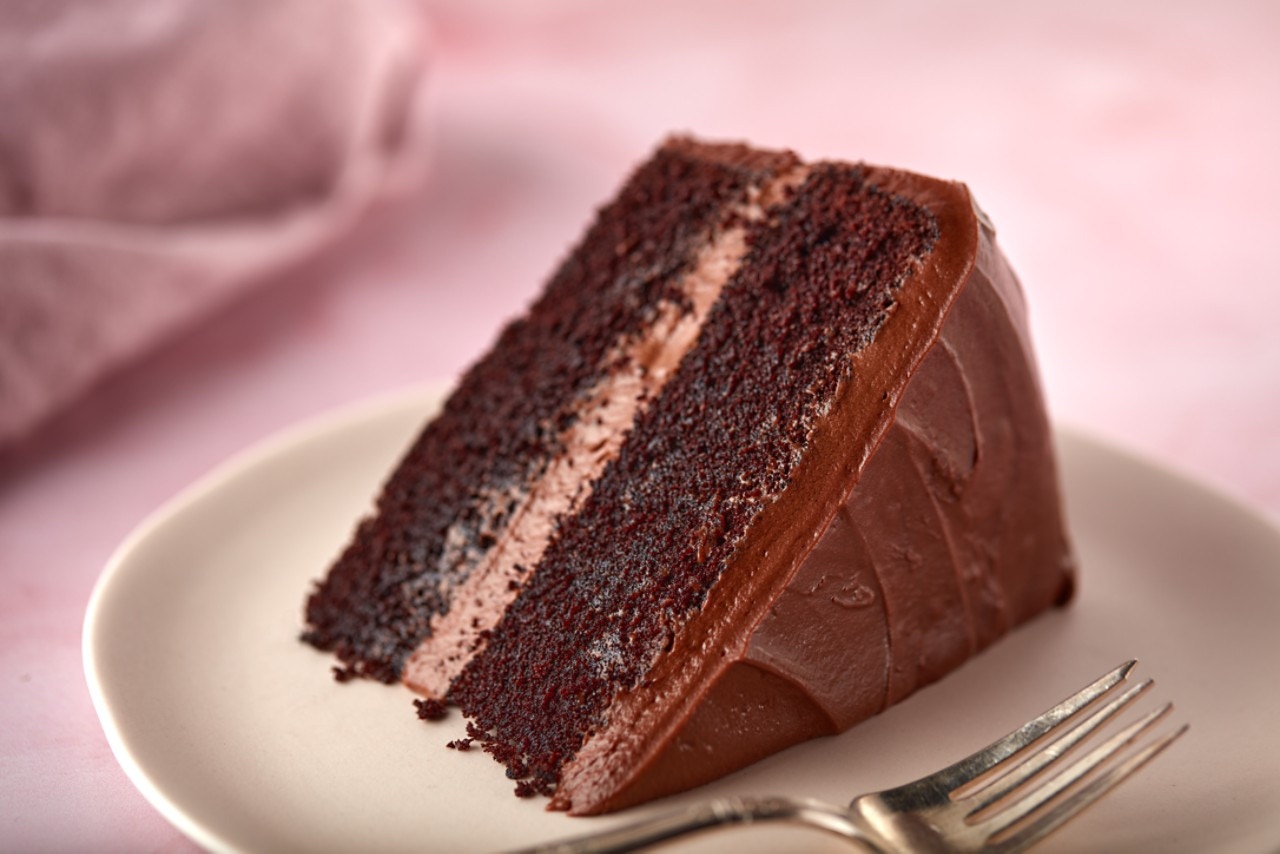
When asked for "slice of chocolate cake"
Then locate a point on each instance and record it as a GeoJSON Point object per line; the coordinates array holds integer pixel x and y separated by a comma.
{"type": "Point", "coordinates": [768, 454]}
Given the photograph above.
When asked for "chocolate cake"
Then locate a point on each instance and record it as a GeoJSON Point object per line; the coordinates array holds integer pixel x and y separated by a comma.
{"type": "Point", "coordinates": [767, 455]}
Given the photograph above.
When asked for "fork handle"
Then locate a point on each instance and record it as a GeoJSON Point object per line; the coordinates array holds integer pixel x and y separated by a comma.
{"type": "Point", "coordinates": [709, 815]}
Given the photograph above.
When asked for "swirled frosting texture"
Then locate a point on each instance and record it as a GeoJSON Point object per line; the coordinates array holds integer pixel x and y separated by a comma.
{"type": "Point", "coordinates": [923, 524]}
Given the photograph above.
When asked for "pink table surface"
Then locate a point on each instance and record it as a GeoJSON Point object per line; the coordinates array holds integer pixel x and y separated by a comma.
{"type": "Point", "coordinates": [1127, 153]}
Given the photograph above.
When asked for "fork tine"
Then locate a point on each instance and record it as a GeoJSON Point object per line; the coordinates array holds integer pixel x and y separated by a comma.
{"type": "Point", "coordinates": [1084, 797]}
{"type": "Point", "coordinates": [977, 765]}
{"type": "Point", "coordinates": [1000, 787]}
{"type": "Point", "coordinates": [1075, 772]}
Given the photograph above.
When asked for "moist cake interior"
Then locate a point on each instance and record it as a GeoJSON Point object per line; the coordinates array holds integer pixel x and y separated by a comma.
{"type": "Point", "coordinates": [702, 460]}
{"type": "Point", "coordinates": [771, 438]}
{"type": "Point", "coordinates": [469, 473]}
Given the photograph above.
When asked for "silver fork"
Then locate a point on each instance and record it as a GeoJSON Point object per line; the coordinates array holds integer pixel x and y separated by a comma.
{"type": "Point", "coordinates": [1000, 799]}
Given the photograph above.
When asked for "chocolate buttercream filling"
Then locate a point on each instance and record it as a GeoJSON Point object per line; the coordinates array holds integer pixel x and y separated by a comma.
{"type": "Point", "coordinates": [461, 481]}
{"type": "Point", "coordinates": [644, 362]}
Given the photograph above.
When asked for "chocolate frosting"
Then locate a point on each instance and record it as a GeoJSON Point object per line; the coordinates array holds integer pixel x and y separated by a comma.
{"type": "Point", "coordinates": [922, 524]}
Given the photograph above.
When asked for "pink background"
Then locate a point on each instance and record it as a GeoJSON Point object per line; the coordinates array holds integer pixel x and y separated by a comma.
{"type": "Point", "coordinates": [1126, 152]}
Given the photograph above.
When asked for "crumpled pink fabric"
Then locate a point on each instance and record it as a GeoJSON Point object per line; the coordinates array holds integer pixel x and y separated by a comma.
{"type": "Point", "coordinates": [159, 156]}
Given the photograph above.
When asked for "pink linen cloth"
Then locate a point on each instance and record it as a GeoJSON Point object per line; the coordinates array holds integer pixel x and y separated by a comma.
{"type": "Point", "coordinates": [159, 156]}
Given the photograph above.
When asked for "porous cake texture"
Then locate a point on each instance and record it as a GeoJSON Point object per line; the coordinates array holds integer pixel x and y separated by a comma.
{"type": "Point", "coordinates": [768, 454]}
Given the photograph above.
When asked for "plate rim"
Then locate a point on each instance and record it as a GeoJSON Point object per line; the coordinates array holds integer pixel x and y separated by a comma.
{"type": "Point", "coordinates": [374, 408]}
{"type": "Point", "coordinates": [336, 419]}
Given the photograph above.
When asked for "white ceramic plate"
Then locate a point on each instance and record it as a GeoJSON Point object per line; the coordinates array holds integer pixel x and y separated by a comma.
{"type": "Point", "coordinates": [236, 732]}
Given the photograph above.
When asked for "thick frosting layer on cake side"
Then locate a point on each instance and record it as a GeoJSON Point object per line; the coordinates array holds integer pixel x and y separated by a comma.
{"type": "Point", "coordinates": [941, 513]}
{"type": "Point", "coordinates": [860, 611]}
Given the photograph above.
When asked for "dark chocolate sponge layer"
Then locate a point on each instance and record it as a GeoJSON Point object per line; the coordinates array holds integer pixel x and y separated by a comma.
{"type": "Point", "coordinates": [437, 515]}
{"type": "Point", "coordinates": [701, 462]}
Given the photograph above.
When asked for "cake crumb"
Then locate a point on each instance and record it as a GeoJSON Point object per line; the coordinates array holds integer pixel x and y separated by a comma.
{"type": "Point", "coordinates": [463, 744]}
{"type": "Point", "coordinates": [526, 789]}
{"type": "Point", "coordinates": [431, 710]}
{"type": "Point", "coordinates": [344, 674]}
